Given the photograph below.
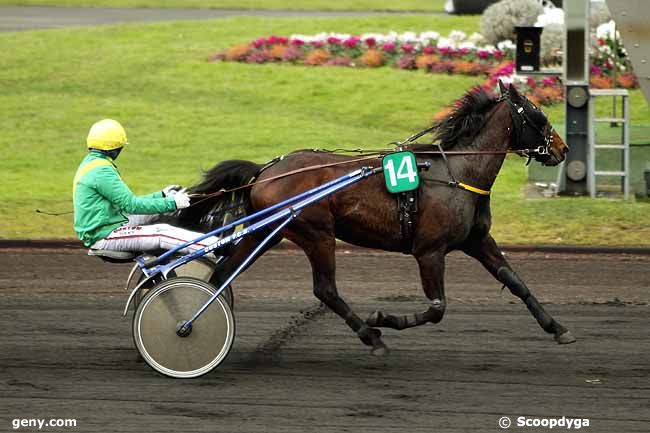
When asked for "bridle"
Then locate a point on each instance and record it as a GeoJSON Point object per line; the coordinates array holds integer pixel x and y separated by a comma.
{"type": "Point", "coordinates": [522, 122]}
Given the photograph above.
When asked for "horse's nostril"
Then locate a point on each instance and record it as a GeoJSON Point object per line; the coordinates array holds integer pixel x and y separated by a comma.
{"type": "Point", "coordinates": [565, 150]}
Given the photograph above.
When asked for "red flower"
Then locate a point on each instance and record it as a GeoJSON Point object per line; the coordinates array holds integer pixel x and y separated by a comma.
{"type": "Point", "coordinates": [407, 48]}
{"type": "Point", "coordinates": [258, 43]}
{"type": "Point", "coordinates": [429, 50]}
{"type": "Point", "coordinates": [351, 42]}
{"type": "Point", "coordinates": [498, 54]}
{"type": "Point", "coordinates": [388, 47]}
{"type": "Point", "coordinates": [297, 42]}
{"type": "Point", "coordinates": [371, 42]}
{"type": "Point", "coordinates": [333, 40]}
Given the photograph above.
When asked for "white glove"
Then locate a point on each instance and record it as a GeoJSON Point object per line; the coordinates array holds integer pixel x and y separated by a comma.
{"type": "Point", "coordinates": [170, 190]}
{"type": "Point", "coordinates": [182, 200]}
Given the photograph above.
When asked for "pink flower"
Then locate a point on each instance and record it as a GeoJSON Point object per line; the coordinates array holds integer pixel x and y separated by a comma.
{"type": "Point", "coordinates": [548, 81]}
{"type": "Point", "coordinates": [351, 42]}
{"type": "Point", "coordinates": [498, 54]}
{"type": "Point", "coordinates": [446, 50]}
{"type": "Point", "coordinates": [333, 40]}
{"type": "Point", "coordinates": [297, 42]}
{"type": "Point", "coordinates": [371, 42]}
{"type": "Point", "coordinates": [483, 54]}
{"type": "Point", "coordinates": [595, 70]}
{"type": "Point", "coordinates": [258, 43]}
{"type": "Point", "coordinates": [429, 50]}
{"type": "Point", "coordinates": [388, 47]}
{"type": "Point", "coordinates": [283, 40]}
{"type": "Point", "coordinates": [317, 44]}
{"type": "Point", "coordinates": [407, 48]}
{"type": "Point", "coordinates": [273, 40]}
{"type": "Point", "coordinates": [531, 82]}
{"type": "Point", "coordinates": [463, 51]}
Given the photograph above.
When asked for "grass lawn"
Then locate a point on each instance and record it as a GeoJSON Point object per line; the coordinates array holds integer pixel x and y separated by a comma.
{"type": "Point", "coordinates": [183, 114]}
{"type": "Point", "coordinates": [343, 5]}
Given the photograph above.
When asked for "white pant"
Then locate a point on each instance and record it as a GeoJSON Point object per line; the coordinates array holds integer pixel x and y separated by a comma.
{"type": "Point", "coordinates": [136, 235]}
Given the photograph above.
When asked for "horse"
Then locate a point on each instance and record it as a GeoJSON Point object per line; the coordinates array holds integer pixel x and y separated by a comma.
{"type": "Point", "coordinates": [473, 141]}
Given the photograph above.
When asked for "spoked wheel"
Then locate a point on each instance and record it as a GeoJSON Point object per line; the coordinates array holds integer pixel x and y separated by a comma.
{"type": "Point", "coordinates": [163, 309]}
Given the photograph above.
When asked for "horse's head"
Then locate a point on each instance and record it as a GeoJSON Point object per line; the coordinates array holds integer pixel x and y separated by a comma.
{"type": "Point", "coordinates": [533, 135]}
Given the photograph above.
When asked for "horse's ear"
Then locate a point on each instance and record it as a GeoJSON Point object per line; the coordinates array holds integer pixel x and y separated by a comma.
{"type": "Point", "coordinates": [502, 88]}
{"type": "Point", "coordinates": [514, 93]}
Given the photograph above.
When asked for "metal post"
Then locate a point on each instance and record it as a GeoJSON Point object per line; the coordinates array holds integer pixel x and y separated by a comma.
{"type": "Point", "coordinates": [576, 81]}
{"type": "Point", "coordinates": [626, 150]}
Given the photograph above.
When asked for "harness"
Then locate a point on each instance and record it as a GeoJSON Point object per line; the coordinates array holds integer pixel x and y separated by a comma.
{"type": "Point", "coordinates": [407, 202]}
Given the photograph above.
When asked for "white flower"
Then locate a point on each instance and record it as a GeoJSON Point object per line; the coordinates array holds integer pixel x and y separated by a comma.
{"type": "Point", "coordinates": [489, 48]}
{"type": "Point", "coordinates": [605, 49]}
{"type": "Point", "coordinates": [476, 38]}
{"type": "Point", "coordinates": [467, 45]}
{"type": "Point", "coordinates": [457, 35]}
{"type": "Point", "coordinates": [606, 30]}
{"type": "Point", "coordinates": [408, 37]}
{"type": "Point", "coordinates": [506, 45]}
{"type": "Point", "coordinates": [445, 43]}
{"type": "Point", "coordinates": [429, 36]}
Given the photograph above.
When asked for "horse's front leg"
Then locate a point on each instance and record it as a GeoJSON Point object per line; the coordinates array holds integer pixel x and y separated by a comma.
{"type": "Point", "coordinates": [432, 268]}
{"type": "Point", "coordinates": [320, 250]}
{"type": "Point", "coordinates": [488, 253]}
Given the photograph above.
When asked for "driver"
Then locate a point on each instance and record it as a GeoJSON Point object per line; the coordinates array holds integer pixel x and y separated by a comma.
{"type": "Point", "coordinates": [108, 216]}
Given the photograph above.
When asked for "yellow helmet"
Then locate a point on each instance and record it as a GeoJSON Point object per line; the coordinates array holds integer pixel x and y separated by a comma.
{"type": "Point", "coordinates": [106, 134]}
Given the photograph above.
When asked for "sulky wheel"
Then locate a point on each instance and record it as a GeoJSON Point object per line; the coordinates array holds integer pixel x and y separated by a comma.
{"type": "Point", "coordinates": [200, 268]}
{"type": "Point", "coordinates": [164, 308]}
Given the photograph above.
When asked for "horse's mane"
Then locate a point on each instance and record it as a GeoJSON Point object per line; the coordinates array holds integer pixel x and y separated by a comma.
{"type": "Point", "coordinates": [466, 119]}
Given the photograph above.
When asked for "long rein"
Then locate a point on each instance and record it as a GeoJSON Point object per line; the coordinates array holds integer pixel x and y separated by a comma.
{"type": "Point", "coordinates": [369, 154]}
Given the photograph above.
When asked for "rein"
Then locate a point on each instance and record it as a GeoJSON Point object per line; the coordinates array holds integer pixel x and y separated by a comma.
{"type": "Point", "coordinates": [369, 154]}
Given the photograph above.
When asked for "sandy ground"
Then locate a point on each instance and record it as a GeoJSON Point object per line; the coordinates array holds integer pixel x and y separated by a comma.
{"type": "Point", "coordinates": [67, 353]}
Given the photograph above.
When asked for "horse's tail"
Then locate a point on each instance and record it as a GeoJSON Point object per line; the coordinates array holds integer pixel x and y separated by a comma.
{"type": "Point", "coordinates": [224, 176]}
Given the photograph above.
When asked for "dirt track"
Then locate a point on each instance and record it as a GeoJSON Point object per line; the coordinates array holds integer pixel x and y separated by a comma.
{"type": "Point", "coordinates": [67, 353]}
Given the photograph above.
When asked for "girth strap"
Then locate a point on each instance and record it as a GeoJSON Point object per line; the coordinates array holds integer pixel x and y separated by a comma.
{"type": "Point", "coordinates": [407, 206]}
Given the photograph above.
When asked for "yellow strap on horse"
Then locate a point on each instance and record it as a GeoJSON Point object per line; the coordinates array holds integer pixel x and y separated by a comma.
{"type": "Point", "coordinates": [85, 169]}
{"type": "Point", "coordinates": [472, 189]}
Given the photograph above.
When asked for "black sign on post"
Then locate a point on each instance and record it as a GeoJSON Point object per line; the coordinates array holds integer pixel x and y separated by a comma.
{"type": "Point", "coordinates": [528, 49]}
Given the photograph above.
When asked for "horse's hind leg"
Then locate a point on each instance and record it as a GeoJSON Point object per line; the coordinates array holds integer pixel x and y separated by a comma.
{"type": "Point", "coordinates": [320, 249]}
{"type": "Point", "coordinates": [432, 268]}
{"type": "Point", "coordinates": [488, 253]}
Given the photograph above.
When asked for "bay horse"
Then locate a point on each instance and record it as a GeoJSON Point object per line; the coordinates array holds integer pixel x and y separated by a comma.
{"type": "Point", "coordinates": [482, 126]}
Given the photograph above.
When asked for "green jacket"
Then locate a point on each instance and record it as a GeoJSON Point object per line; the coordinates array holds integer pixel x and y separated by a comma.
{"type": "Point", "coordinates": [102, 200]}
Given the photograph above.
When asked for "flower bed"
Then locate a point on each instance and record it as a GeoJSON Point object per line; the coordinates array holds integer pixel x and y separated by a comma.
{"type": "Point", "coordinates": [457, 53]}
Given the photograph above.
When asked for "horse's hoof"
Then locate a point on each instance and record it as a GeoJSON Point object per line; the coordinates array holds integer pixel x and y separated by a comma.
{"type": "Point", "coordinates": [565, 338]}
{"type": "Point", "coordinates": [375, 318]}
{"type": "Point", "coordinates": [380, 351]}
